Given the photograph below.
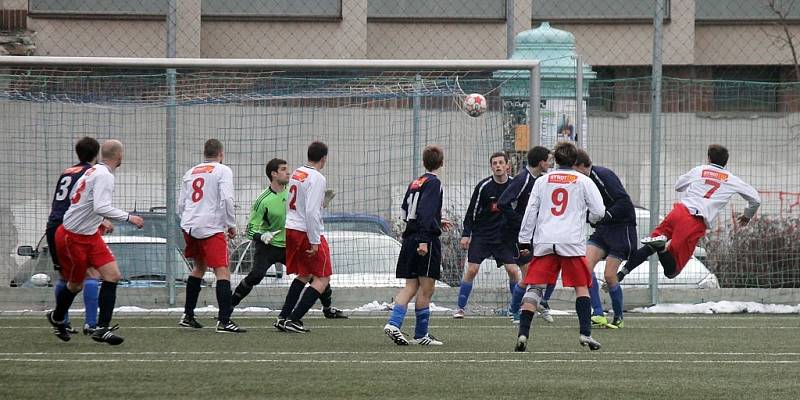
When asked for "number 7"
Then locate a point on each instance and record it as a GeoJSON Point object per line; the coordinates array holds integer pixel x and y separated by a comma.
{"type": "Point", "coordinates": [714, 186]}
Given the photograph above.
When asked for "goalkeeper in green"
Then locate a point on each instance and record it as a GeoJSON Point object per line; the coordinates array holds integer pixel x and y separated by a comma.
{"type": "Point", "coordinates": [266, 228]}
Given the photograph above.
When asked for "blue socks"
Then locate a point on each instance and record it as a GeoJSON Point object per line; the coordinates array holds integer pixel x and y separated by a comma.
{"type": "Point", "coordinates": [91, 293]}
{"type": "Point", "coordinates": [398, 315]}
{"type": "Point", "coordinates": [616, 300]}
{"type": "Point", "coordinates": [423, 316]}
{"type": "Point", "coordinates": [594, 294]}
{"type": "Point", "coordinates": [516, 298]}
{"type": "Point", "coordinates": [463, 294]}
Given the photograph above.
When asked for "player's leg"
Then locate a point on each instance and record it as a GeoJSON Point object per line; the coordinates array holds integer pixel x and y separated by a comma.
{"type": "Point", "coordinates": [224, 298]}
{"type": "Point", "coordinates": [541, 272]}
{"type": "Point", "coordinates": [422, 311]}
{"type": "Point", "coordinates": [320, 267]}
{"type": "Point", "coordinates": [91, 295]}
{"type": "Point", "coordinates": [399, 310]}
{"type": "Point", "coordinates": [575, 274]}
{"type": "Point", "coordinates": [73, 259]}
{"type": "Point", "coordinates": [465, 289]}
{"type": "Point", "coordinates": [50, 235]}
{"type": "Point", "coordinates": [328, 310]}
{"type": "Point", "coordinates": [544, 305]}
{"type": "Point", "coordinates": [264, 256]}
{"type": "Point", "coordinates": [193, 283]}
{"type": "Point", "coordinates": [595, 253]}
{"type": "Point", "coordinates": [614, 289]}
{"type": "Point", "coordinates": [664, 230]}
{"type": "Point", "coordinates": [111, 275]}
{"type": "Point", "coordinates": [505, 254]}
{"type": "Point", "coordinates": [517, 293]}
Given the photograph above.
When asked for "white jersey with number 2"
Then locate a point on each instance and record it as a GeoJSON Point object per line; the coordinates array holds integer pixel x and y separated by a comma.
{"type": "Point", "coordinates": [304, 206]}
{"type": "Point", "coordinates": [206, 201]}
{"type": "Point", "coordinates": [708, 188]}
{"type": "Point", "coordinates": [91, 202]}
{"type": "Point", "coordinates": [556, 213]}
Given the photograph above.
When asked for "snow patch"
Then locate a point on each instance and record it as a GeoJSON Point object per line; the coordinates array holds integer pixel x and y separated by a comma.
{"type": "Point", "coordinates": [720, 307]}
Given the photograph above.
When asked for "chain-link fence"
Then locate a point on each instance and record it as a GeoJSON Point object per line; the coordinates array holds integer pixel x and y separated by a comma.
{"type": "Point", "coordinates": [730, 76]}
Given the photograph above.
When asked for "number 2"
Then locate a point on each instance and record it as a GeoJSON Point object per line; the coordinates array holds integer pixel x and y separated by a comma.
{"type": "Point", "coordinates": [63, 188]}
{"type": "Point", "coordinates": [560, 199]}
{"type": "Point", "coordinates": [293, 192]}
{"type": "Point", "coordinates": [714, 186]}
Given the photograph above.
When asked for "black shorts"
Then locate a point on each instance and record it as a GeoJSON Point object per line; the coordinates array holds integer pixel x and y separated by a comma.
{"type": "Point", "coordinates": [411, 265]}
{"type": "Point", "coordinates": [50, 234]}
{"type": "Point", "coordinates": [266, 255]}
{"type": "Point", "coordinates": [503, 252]}
{"type": "Point", "coordinates": [618, 241]}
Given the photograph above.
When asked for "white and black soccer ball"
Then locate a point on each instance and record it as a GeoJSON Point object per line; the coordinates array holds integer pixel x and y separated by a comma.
{"type": "Point", "coordinates": [475, 104]}
{"type": "Point", "coordinates": [40, 280]}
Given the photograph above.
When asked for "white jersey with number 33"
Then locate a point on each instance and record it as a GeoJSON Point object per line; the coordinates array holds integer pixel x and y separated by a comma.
{"type": "Point", "coordinates": [206, 201]}
{"type": "Point", "coordinates": [708, 188]}
{"type": "Point", "coordinates": [304, 206]}
{"type": "Point", "coordinates": [556, 213]}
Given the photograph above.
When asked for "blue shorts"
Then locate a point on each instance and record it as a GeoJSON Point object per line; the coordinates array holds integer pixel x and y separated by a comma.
{"type": "Point", "coordinates": [480, 249]}
{"type": "Point", "coordinates": [411, 265]}
{"type": "Point", "coordinates": [618, 241]}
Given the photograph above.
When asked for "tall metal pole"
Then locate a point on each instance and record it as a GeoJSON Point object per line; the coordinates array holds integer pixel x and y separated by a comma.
{"type": "Point", "coordinates": [579, 102]}
{"type": "Point", "coordinates": [415, 150]}
{"type": "Point", "coordinates": [171, 153]}
{"type": "Point", "coordinates": [509, 28]}
{"type": "Point", "coordinates": [655, 140]}
{"type": "Point", "coordinates": [534, 120]}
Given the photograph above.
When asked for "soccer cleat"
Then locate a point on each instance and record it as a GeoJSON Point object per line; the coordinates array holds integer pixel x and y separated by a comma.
{"type": "Point", "coordinates": [515, 318]}
{"type": "Point", "coordinates": [333, 313]}
{"type": "Point", "coordinates": [278, 324]}
{"type": "Point", "coordinates": [589, 341]}
{"type": "Point", "coordinates": [599, 320]}
{"type": "Point", "coordinates": [427, 340]}
{"type": "Point", "coordinates": [229, 327]}
{"type": "Point", "coordinates": [189, 322]}
{"type": "Point", "coordinates": [621, 275]}
{"type": "Point", "coordinates": [522, 343]}
{"type": "Point", "coordinates": [459, 314]}
{"type": "Point", "coordinates": [106, 335]}
{"type": "Point", "coordinates": [59, 328]}
{"type": "Point", "coordinates": [88, 330]}
{"type": "Point", "coordinates": [617, 324]}
{"type": "Point", "coordinates": [394, 333]}
{"type": "Point", "coordinates": [295, 326]}
{"type": "Point", "coordinates": [656, 243]}
{"type": "Point", "coordinates": [70, 329]}
{"type": "Point", "coordinates": [544, 312]}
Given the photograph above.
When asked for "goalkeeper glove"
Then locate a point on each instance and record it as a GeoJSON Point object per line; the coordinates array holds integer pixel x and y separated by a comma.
{"type": "Point", "coordinates": [329, 195]}
{"type": "Point", "coordinates": [267, 237]}
{"type": "Point", "coordinates": [524, 247]}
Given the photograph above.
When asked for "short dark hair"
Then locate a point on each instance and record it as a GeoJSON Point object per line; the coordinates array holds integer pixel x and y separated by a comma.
{"type": "Point", "coordinates": [718, 154]}
{"type": "Point", "coordinates": [432, 157]}
{"type": "Point", "coordinates": [583, 159]}
{"type": "Point", "coordinates": [212, 148]}
{"type": "Point", "coordinates": [273, 166]}
{"type": "Point", "coordinates": [87, 149]}
{"type": "Point", "coordinates": [316, 151]}
{"type": "Point", "coordinates": [498, 154]}
{"type": "Point", "coordinates": [538, 154]}
{"type": "Point", "coordinates": [565, 154]}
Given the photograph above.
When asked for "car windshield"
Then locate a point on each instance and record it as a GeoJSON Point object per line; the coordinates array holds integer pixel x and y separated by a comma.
{"type": "Point", "coordinates": [154, 226]}
{"type": "Point", "coordinates": [146, 261]}
{"type": "Point", "coordinates": [354, 226]}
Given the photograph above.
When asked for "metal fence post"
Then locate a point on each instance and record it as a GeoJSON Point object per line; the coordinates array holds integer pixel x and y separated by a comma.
{"type": "Point", "coordinates": [655, 140]}
{"type": "Point", "coordinates": [171, 153]}
{"type": "Point", "coordinates": [534, 120]}
{"type": "Point", "coordinates": [579, 102]}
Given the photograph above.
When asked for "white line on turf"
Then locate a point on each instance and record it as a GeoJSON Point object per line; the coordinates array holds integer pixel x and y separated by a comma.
{"type": "Point", "coordinates": [436, 327]}
{"type": "Point", "coordinates": [315, 361]}
{"type": "Point", "coordinates": [297, 353]}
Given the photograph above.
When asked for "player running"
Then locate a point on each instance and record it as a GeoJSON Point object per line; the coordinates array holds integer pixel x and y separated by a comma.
{"type": "Point", "coordinates": [556, 218]}
{"type": "Point", "coordinates": [80, 246]}
{"type": "Point", "coordinates": [706, 189]}
{"type": "Point", "coordinates": [206, 209]}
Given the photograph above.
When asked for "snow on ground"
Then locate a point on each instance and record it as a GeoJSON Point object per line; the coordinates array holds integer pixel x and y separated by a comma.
{"type": "Point", "coordinates": [720, 307]}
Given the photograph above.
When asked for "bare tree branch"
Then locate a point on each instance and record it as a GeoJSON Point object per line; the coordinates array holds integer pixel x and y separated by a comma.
{"type": "Point", "coordinates": [782, 15]}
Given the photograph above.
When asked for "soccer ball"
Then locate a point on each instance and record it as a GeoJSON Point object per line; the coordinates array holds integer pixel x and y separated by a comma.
{"type": "Point", "coordinates": [475, 104]}
{"type": "Point", "coordinates": [40, 280]}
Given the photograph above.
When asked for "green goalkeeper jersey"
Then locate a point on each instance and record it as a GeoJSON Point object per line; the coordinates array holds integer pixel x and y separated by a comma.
{"type": "Point", "coordinates": [269, 215]}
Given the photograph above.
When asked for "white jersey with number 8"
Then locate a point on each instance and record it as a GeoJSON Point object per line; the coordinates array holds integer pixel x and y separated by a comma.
{"type": "Point", "coordinates": [206, 201]}
{"type": "Point", "coordinates": [556, 213]}
{"type": "Point", "coordinates": [708, 188]}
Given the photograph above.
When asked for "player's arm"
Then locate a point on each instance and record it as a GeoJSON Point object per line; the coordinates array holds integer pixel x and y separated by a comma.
{"type": "Point", "coordinates": [428, 210]}
{"type": "Point", "coordinates": [469, 217]}
{"type": "Point", "coordinates": [622, 201]}
{"type": "Point", "coordinates": [509, 195]}
{"type": "Point", "coordinates": [103, 193]}
{"type": "Point", "coordinates": [750, 194]}
{"type": "Point", "coordinates": [530, 217]}
{"type": "Point", "coordinates": [684, 180]}
{"type": "Point", "coordinates": [594, 201]}
{"type": "Point", "coordinates": [227, 197]}
{"type": "Point", "coordinates": [315, 196]}
{"type": "Point", "coordinates": [182, 197]}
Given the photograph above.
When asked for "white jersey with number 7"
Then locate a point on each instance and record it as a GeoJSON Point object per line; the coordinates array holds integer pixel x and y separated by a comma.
{"type": "Point", "coordinates": [304, 206]}
{"type": "Point", "coordinates": [206, 201]}
{"type": "Point", "coordinates": [556, 213]}
{"type": "Point", "coordinates": [707, 188]}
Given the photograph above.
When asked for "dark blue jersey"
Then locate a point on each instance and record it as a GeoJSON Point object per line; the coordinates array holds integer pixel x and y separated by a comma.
{"type": "Point", "coordinates": [619, 208]}
{"type": "Point", "coordinates": [64, 186]}
{"type": "Point", "coordinates": [484, 218]}
{"type": "Point", "coordinates": [422, 208]}
{"type": "Point", "coordinates": [514, 201]}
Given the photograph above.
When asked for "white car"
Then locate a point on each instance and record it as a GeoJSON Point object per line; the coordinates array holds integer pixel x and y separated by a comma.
{"type": "Point", "coordinates": [360, 259]}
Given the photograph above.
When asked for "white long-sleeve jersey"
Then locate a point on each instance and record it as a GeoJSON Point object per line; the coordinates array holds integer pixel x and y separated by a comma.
{"type": "Point", "coordinates": [91, 202]}
{"type": "Point", "coordinates": [304, 207]}
{"type": "Point", "coordinates": [206, 200]}
{"type": "Point", "coordinates": [556, 213]}
{"type": "Point", "coordinates": [708, 188]}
